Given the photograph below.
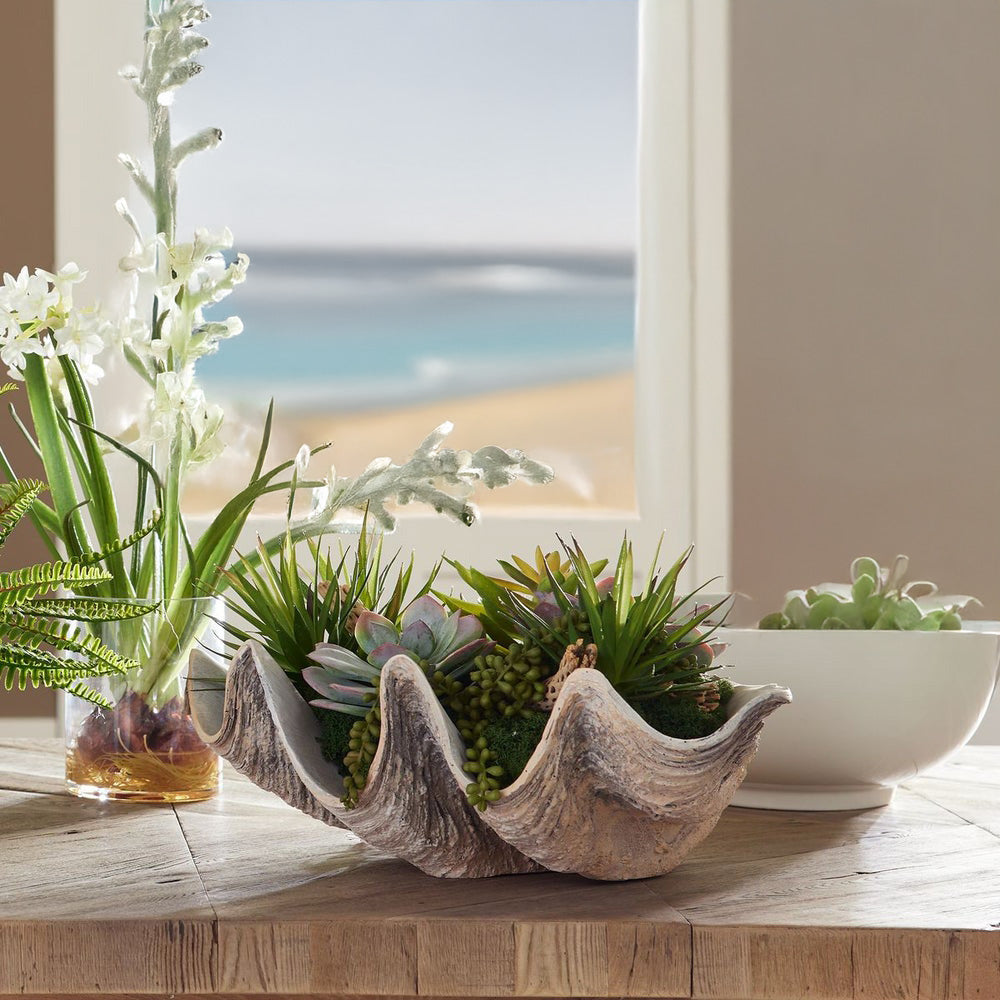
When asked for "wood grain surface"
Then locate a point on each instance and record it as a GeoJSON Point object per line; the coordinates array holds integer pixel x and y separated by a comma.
{"type": "Point", "coordinates": [245, 896]}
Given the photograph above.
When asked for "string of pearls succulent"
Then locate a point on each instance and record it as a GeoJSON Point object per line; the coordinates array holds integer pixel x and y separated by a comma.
{"type": "Point", "coordinates": [503, 684]}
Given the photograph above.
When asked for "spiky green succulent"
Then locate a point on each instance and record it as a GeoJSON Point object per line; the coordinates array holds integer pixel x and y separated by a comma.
{"type": "Point", "coordinates": [876, 598]}
{"type": "Point", "coordinates": [291, 608]}
{"type": "Point", "coordinates": [645, 642]}
{"type": "Point", "coordinates": [525, 578]}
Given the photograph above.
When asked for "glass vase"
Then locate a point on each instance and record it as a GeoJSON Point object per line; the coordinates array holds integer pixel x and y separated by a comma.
{"type": "Point", "coordinates": [145, 747]}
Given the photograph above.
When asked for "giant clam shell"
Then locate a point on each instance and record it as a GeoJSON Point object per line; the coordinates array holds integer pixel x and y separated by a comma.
{"type": "Point", "coordinates": [604, 795]}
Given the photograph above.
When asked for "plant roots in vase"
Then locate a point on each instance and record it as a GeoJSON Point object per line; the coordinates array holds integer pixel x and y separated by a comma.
{"type": "Point", "coordinates": [134, 751]}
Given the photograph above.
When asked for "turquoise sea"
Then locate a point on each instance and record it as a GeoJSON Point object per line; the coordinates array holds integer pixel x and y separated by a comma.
{"type": "Point", "coordinates": [349, 330]}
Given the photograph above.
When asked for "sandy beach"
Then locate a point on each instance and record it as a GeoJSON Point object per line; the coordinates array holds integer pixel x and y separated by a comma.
{"type": "Point", "coordinates": [583, 429]}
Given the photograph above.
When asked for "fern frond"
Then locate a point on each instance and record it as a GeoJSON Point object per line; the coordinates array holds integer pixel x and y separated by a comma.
{"type": "Point", "coordinates": [21, 666]}
{"type": "Point", "coordinates": [33, 581]}
{"type": "Point", "coordinates": [16, 499]}
{"type": "Point", "coordinates": [89, 609]}
{"type": "Point", "coordinates": [32, 632]}
{"type": "Point", "coordinates": [121, 544]}
{"type": "Point", "coordinates": [29, 665]}
{"type": "Point", "coordinates": [7, 387]}
{"type": "Point", "coordinates": [86, 693]}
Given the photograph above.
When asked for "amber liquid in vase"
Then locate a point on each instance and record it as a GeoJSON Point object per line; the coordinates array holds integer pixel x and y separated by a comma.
{"type": "Point", "coordinates": [137, 752]}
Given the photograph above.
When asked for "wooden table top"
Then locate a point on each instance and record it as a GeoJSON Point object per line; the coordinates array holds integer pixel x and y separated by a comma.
{"type": "Point", "coordinates": [243, 895]}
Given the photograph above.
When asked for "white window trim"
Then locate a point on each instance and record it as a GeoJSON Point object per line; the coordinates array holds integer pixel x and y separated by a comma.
{"type": "Point", "coordinates": [682, 412]}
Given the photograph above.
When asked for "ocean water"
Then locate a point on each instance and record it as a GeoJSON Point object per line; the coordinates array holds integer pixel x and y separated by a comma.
{"type": "Point", "coordinates": [338, 331]}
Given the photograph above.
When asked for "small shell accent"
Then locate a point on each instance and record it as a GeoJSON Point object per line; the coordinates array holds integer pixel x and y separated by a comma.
{"type": "Point", "coordinates": [352, 616]}
{"type": "Point", "coordinates": [709, 697]}
{"type": "Point", "coordinates": [577, 655]}
{"type": "Point", "coordinates": [603, 795]}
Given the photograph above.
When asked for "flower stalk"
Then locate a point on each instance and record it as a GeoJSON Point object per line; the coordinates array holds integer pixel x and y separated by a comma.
{"type": "Point", "coordinates": [54, 346]}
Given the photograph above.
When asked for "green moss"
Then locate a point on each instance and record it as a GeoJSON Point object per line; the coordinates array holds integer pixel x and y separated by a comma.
{"type": "Point", "coordinates": [513, 740]}
{"type": "Point", "coordinates": [725, 689]}
{"type": "Point", "coordinates": [335, 732]}
{"type": "Point", "coordinates": [681, 717]}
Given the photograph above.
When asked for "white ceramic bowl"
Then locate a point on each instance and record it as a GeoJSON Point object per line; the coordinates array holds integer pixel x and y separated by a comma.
{"type": "Point", "coordinates": [870, 709]}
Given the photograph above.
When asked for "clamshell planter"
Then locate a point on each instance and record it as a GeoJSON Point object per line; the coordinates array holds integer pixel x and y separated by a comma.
{"type": "Point", "coordinates": [604, 795]}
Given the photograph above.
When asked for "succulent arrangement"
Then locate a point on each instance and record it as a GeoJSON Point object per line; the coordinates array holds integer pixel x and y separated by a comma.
{"type": "Point", "coordinates": [557, 719]}
{"type": "Point", "coordinates": [876, 598]}
{"type": "Point", "coordinates": [496, 663]}
{"type": "Point", "coordinates": [556, 617]}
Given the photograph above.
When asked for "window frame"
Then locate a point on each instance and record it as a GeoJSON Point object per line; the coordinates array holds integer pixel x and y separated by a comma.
{"type": "Point", "coordinates": [682, 406]}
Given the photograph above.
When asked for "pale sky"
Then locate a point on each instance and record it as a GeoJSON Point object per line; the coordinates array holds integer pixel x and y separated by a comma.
{"type": "Point", "coordinates": [416, 123]}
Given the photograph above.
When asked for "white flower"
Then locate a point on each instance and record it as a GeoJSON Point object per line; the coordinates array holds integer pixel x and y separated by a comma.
{"type": "Point", "coordinates": [142, 257]}
{"type": "Point", "coordinates": [207, 242]}
{"type": "Point", "coordinates": [149, 257]}
{"type": "Point", "coordinates": [90, 371]}
{"type": "Point", "coordinates": [302, 459]}
{"type": "Point", "coordinates": [82, 338]}
{"type": "Point", "coordinates": [132, 332]}
{"type": "Point", "coordinates": [63, 281]}
{"type": "Point", "coordinates": [27, 296]}
{"type": "Point", "coordinates": [165, 408]}
{"type": "Point", "coordinates": [205, 425]}
{"type": "Point", "coordinates": [178, 407]}
{"type": "Point", "coordinates": [16, 344]}
{"type": "Point", "coordinates": [235, 275]}
{"type": "Point", "coordinates": [208, 275]}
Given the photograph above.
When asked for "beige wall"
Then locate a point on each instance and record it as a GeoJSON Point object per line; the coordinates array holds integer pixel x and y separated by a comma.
{"type": "Point", "coordinates": [27, 229]}
{"type": "Point", "coordinates": [866, 295]}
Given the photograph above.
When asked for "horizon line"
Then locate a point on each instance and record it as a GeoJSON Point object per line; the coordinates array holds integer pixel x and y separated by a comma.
{"type": "Point", "coordinates": [455, 249]}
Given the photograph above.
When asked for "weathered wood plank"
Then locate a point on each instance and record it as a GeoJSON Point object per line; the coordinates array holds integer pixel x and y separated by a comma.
{"type": "Point", "coordinates": [99, 897]}
{"type": "Point", "coordinates": [33, 766]}
{"type": "Point", "coordinates": [107, 956]}
{"type": "Point", "coordinates": [968, 786]}
{"type": "Point", "coordinates": [783, 963]}
{"type": "Point", "coordinates": [920, 880]}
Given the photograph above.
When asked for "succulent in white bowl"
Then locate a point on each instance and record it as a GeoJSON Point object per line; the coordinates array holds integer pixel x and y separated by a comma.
{"type": "Point", "coordinates": [888, 682]}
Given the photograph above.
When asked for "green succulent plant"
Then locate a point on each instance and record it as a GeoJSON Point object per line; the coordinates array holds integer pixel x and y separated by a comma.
{"type": "Point", "coordinates": [642, 643]}
{"type": "Point", "coordinates": [292, 609]}
{"type": "Point", "coordinates": [876, 598]}
{"type": "Point", "coordinates": [444, 645]}
{"type": "Point", "coordinates": [36, 627]}
{"type": "Point", "coordinates": [525, 578]}
{"type": "Point", "coordinates": [645, 644]}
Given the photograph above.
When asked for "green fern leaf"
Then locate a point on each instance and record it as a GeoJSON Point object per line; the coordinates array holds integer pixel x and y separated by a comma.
{"type": "Point", "coordinates": [16, 499]}
{"type": "Point", "coordinates": [20, 628]}
{"type": "Point", "coordinates": [20, 666]}
{"type": "Point", "coordinates": [86, 693]}
{"type": "Point", "coordinates": [24, 664]}
{"type": "Point", "coordinates": [121, 544]}
{"type": "Point", "coordinates": [88, 609]}
{"type": "Point", "coordinates": [33, 581]}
